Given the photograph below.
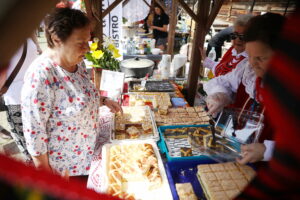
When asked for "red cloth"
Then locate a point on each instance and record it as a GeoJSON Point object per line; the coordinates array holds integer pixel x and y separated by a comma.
{"type": "Point", "coordinates": [281, 179]}
{"type": "Point", "coordinates": [17, 173]}
{"type": "Point", "coordinates": [227, 63]}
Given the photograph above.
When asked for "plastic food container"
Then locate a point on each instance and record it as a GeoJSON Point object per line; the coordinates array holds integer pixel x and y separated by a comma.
{"type": "Point", "coordinates": [138, 188]}
{"type": "Point", "coordinates": [185, 172]}
{"type": "Point", "coordinates": [154, 135]}
{"type": "Point", "coordinates": [171, 148]}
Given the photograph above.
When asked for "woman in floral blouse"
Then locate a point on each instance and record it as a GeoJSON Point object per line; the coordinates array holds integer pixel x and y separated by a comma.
{"type": "Point", "coordinates": [59, 103]}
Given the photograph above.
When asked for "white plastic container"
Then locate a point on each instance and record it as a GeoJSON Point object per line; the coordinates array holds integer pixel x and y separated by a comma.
{"type": "Point", "coordinates": [139, 189]}
{"type": "Point", "coordinates": [165, 65]}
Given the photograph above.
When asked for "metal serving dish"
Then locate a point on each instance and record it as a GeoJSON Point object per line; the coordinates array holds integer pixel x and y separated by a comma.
{"type": "Point", "coordinates": [137, 67]}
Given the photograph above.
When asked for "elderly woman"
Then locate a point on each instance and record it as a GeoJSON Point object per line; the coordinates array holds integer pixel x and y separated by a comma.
{"type": "Point", "coordinates": [59, 103]}
{"type": "Point", "coordinates": [261, 35]}
{"type": "Point", "coordinates": [235, 56]}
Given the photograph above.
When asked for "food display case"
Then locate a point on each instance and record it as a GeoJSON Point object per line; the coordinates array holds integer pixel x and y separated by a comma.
{"type": "Point", "coordinates": [135, 123]}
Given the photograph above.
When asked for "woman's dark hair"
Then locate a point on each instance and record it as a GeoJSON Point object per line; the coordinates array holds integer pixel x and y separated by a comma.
{"type": "Point", "coordinates": [265, 28]}
{"type": "Point", "coordinates": [62, 22]}
{"type": "Point", "coordinates": [161, 9]}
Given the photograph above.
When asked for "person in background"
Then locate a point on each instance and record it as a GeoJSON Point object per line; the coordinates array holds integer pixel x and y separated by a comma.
{"type": "Point", "coordinates": [217, 41]}
{"type": "Point", "coordinates": [281, 178]}
{"type": "Point", "coordinates": [261, 35]}
{"type": "Point", "coordinates": [59, 103]}
{"type": "Point", "coordinates": [64, 4]}
{"type": "Point", "coordinates": [236, 55]}
{"type": "Point", "coordinates": [160, 27]}
{"type": "Point", "coordinates": [12, 97]}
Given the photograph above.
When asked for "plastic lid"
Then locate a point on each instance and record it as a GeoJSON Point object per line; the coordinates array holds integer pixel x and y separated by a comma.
{"type": "Point", "coordinates": [137, 63]}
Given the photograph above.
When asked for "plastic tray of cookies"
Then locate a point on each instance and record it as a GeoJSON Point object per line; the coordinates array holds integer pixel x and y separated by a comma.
{"type": "Point", "coordinates": [226, 179]}
{"type": "Point", "coordinates": [134, 170]}
{"type": "Point", "coordinates": [136, 123]}
{"type": "Point", "coordinates": [182, 116]}
{"type": "Point", "coordinates": [178, 145]}
{"type": "Point", "coordinates": [191, 142]}
{"type": "Point", "coordinates": [179, 172]}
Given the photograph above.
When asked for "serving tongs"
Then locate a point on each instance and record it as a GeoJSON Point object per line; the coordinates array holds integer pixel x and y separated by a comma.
{"type": "Point", "coordinates": [212, 126]}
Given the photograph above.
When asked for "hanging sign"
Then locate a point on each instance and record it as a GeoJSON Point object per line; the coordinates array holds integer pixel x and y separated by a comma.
{"type": "Point", "coordinates": [112, 23]}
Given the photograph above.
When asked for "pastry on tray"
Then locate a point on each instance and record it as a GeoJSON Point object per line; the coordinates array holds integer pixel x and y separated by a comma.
{"type": "Point", "coordinates": [185, 191]}
{"type": "Point", "coordinates": [132, 163]}
{"type": "Point", "coordinates": [186, 152]}
{"type": "Point", "coordinates": [133, 132]}
{"type": "Point", "coordinates": [224, 181]}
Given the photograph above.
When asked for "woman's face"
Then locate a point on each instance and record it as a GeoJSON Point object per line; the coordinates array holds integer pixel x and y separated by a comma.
{"type": "Point", "coordinates": [157, 10]}
{"type": "Point", "coordinates": [76, 46]}
{"type": "Point", "coordinates": [259, 56]}
{"type": "Point", "coordinates": [238, 43]}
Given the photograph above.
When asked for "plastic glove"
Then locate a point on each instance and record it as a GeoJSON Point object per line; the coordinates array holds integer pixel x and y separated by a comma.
{"type": "Point", "coordinates": [252, 153]}
{"type": "Point", "coordinates": [216, 102]}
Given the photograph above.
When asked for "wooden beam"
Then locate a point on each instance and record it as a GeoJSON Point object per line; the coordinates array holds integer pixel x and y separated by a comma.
{"type": "Point", "coordinates": [199, 37]}
{"type": "Point", "coordinates": [111, 7]}
{"type": "Point", "coordinates": [94, 9]}
{"type": "Point", "coordinates": [252, 6]}
{"type": "Point", "coordinates": [213, 13]}
{"type": "Point", "coordinates": [172, 27]}
{"type": "Point", "coordinates": [162, 6]}
{"type": "Point", "coordinates": [125, 2]}
{"type": "Point", "coordinates": [147, 3]}
{"type": "Point", "coordinates": [188, 10]}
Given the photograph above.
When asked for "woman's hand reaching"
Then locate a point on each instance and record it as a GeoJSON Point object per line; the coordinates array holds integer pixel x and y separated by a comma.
{"type": "Point", "coordinates": [113, 106]}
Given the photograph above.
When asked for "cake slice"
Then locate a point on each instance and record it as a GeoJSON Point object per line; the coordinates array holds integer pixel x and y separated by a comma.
{"type": "Point", "coordinates": [185, 191]}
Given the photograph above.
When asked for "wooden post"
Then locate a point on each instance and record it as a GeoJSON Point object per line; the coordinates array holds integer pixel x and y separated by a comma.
{"type": "Point", "coordinates": [111, 7]}
{"type": "Point", "coordinates": [188, 10]}
{"type": "Point", "coordinates": [94, 10]}
{"type": "Point", "coordinates": [172, 27]}
{"type": "Point", "coordinates": [199, 36]}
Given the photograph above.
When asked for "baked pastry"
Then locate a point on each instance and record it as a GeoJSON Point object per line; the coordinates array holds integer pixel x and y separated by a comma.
{"type": "Point", "coordinates": [186, 152]}
{"type": "Point", "coordinates": [223, 180]}
{"type": "Point", "coordinates": [130, 163]}
{"type": "Point", "coordinates": [190, 109]}
{"type": "Point", "coordinates": [133, 132]}
{"type": "Point", "coordinates": [147, 127]}
{"type": "Point", "coordinates": [199, 109]}
{"type": "Point", "coordinates": [185, 191]}
{"type": "Point", "coordinates": [120, 127]}
{"type": "Point", "coordinates": [163, 110]}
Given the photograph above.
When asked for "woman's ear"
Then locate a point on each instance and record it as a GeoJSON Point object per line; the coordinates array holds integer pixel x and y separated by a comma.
{"type": "Point", "coordinates": [56, 41]}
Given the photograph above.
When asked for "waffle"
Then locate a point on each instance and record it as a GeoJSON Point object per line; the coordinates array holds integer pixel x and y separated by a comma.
{"type": "Point", "coordinates": [224, 181]}
{"type": "Point", "coordinates": [185, 191]}
{"type": "Point", "coordinates": [134, 162]}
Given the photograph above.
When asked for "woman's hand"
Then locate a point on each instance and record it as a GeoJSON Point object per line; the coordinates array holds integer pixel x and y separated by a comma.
{"type": "Point", "coordinates": [252, 153]}
{"type": "Point", "coordinates": [113, 106]}
{"type": "Point", "coordinates": [216, 102]}
{"type": "Point", "coordinates": [42, 162]}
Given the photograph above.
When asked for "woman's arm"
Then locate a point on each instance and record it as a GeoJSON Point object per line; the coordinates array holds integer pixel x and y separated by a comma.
{"type": "Point", "coordinates": [42, 162]}
{"type": "Point", "coordinates": [164, 28]}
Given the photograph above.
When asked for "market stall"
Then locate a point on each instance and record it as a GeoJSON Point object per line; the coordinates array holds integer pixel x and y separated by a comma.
{"type": "Point", "coordinates": [158, 130]}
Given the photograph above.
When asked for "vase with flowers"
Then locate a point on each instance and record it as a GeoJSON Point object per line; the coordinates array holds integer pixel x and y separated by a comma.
{"type": "Point", "coordinates": [104, 57]}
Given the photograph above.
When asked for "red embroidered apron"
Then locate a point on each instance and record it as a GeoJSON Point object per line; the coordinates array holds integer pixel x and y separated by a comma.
{"type": "Point", "coordinates": [227, 63]}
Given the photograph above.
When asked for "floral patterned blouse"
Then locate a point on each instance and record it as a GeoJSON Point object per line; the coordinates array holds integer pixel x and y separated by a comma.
{"type": "Point", "coordinates": [60, 115]}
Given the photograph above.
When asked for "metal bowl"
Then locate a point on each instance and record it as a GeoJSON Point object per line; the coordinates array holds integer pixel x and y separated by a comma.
{"type": "Point", "coordinates": [137, 67]}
